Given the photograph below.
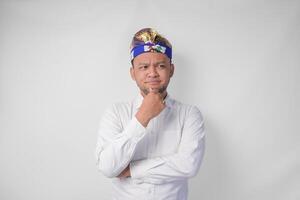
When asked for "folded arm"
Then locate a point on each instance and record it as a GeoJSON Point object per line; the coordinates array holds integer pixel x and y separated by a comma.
{"type": "Point", "coordinates": [116, 145]}
{"type": "Point", "coordinates": [181, 165]}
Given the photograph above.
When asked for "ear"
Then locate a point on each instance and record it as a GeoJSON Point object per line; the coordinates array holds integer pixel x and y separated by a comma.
{"type": "Point", "coordinates": [132, 73]}
{"type": "Point", "coordinates": [172, 70]}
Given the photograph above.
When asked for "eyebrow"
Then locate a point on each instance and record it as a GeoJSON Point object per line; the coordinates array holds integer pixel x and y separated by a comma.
{"type": "Point", "coordinates": [159, 62]}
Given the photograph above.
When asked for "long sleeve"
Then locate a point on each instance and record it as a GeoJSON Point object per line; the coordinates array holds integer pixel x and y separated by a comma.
{"type": "Point", "coordinates": [116, 144]}
{"type": "Point", "coordinates": [181, 165]}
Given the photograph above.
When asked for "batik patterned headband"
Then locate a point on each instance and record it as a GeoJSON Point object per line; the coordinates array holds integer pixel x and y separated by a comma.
{"type": "Point", "coordinates": [151, 47]}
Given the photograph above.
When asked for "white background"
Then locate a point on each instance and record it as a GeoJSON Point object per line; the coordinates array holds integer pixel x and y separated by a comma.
{"type": "Point", "coordinates": [63, 62]}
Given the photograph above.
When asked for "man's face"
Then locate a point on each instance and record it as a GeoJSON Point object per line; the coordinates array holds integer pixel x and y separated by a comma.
{"type": "Point", "coordinates": [152, 70]}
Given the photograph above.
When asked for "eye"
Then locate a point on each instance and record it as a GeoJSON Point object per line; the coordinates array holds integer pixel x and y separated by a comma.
{"type": "Point", "coordinates": [143, 67]}
{"type": "Point", "coordinates": [162, 66]}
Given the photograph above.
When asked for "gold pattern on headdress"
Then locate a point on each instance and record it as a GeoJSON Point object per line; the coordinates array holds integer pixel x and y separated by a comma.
{"type": "Point", "coordinates": [148, 35]}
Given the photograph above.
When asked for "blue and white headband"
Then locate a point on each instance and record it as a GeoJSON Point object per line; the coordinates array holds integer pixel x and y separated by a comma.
{"type": "Point", "coordinates": [149, 47]}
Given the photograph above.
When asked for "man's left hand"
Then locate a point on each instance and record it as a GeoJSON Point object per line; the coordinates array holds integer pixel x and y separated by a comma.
{"type": "Point", "coordinates": [125, 173]}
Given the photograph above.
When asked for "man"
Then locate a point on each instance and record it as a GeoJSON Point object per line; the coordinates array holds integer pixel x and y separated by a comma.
{"type": "Point", "coordinates": [153, 144]}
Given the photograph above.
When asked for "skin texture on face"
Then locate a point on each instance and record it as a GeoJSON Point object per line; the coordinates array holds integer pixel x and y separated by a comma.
{"type": "Point", "coordinates": [152, 70]}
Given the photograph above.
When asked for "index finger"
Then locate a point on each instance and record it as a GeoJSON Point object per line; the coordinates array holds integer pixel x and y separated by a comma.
{"type": "Point", "coordinates": [155, 91]}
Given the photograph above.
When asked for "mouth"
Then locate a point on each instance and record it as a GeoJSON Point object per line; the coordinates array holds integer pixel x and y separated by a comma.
{"type": "Point", "coordinates": [153, 82]}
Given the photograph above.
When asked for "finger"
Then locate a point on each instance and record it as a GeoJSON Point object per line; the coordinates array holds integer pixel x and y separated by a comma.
{"type": "Point", "coordinates": [154, 90]}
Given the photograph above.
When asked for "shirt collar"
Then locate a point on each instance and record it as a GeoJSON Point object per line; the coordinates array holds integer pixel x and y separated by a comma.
{"type": "Point", "coordinates": [139, 99]}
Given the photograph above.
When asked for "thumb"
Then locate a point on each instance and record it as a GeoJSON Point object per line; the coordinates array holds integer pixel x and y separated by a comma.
{"type": "Point", "coordinates": [153, 90]}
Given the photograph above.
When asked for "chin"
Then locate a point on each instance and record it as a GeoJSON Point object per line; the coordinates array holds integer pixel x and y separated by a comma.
{"type": "Point", "coordinates": [160, 89]}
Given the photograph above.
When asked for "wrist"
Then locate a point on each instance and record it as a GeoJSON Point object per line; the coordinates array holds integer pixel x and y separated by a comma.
{"type": "Point", "coordinates": [143, 119]}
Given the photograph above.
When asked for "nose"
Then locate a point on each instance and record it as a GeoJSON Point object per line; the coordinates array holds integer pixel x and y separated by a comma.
{"type": "Point", "coordinates": [152, 72]}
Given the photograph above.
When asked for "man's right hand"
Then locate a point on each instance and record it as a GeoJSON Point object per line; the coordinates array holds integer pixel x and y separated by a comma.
{"type": "Point", "coordinates": [151, 106]}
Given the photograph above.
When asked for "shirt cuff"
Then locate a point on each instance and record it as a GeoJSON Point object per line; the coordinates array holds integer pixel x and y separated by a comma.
{"type": "Point", "coordinates": [135, 129]}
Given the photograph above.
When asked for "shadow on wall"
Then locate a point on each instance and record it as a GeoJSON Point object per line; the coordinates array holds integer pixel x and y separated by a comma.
{"type": "Point", "coordinates": [180, 82]}
{"type": "Point", "coordinates": [187, 85]}
{"type": "Point", "coordinates": [214, 171]}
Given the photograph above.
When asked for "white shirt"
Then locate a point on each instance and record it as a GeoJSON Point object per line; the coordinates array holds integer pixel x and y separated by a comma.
{"type": "Point", "coordinates": [162, 156]}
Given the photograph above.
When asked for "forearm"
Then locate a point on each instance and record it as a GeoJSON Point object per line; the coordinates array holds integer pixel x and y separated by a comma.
{"type": "Point", "coordinates": [169, 168]}
{"type": "Point", "coordinates": [114, 154]}
{"type": "Point", "coordinates": [181, 165]}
